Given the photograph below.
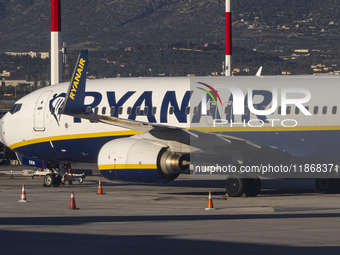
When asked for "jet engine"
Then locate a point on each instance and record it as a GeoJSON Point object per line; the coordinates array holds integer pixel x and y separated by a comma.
{"type": "Point", "coordinates": [136, 160]}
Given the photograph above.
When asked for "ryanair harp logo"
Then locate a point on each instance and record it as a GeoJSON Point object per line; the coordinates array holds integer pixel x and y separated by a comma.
{"type": "Point", "coordinates": [77, 77]}
{"type": "Point", "coordinates": [55, 104]}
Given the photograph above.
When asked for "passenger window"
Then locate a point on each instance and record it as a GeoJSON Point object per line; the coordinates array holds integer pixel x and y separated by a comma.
{"type": "Point", "coordinates": [103, 110]}
{"type": "Point", "coordinates": [297, 110]}
{"type": "Point", "coordinates": [211, 110]}
{"type": "Point", "coordinates": [226, 110]}
{"type": "Point", "coordinates": [316, 109]}
{"type": "Point", "coordinates": [246, 110]}
{"type": "Point", "coordinates": [138, 110]}
{"type": "Point", "coordinates": [187, 110]}
{"type": "Point", "coordinates": [120, 110]}
{"type": "Point", "coordinates": [96, 110]}
{"type": "Point", "coordinates": [288, 109]}
{"type": "Point", "coordinates": [279, 110]}
{"type": "Point", "coordinates": [171, 110]}
{"type": "Point", "coordinates": [334, 110]}
{"type": "Point", "coordinates": [146, 110]}
{"type": "Point", "coordinates": [129, 110]}
{"type": "Point", "coordinates": [195, 110]}
{"type": "Point", "coordinates": [154, 110]}
{"type": "Point", "coordinates": [88, 110]}
{"type": "Point", "coordinates": [324, 110]}
{"type": "Point", "coordinates": [112, 111]}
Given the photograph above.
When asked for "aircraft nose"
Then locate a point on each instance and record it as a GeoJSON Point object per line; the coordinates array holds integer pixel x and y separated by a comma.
{"type": "Point", "coordinates": [2, 132]}
{"type": "Point", "coordinates": [1, 140]}
{"type": "Point", "coordinates": [1, 129]}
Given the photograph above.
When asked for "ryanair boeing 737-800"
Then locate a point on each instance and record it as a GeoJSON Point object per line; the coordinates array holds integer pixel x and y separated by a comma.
{"type": "Point", "coordinates": [153, 129]}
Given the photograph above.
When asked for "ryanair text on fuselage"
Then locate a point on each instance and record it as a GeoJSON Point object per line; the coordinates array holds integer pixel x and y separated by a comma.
{"type": "Point", "coordinates": [240, 105]}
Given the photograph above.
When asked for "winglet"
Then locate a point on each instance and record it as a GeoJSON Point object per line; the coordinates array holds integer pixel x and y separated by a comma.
{"type": "Point", "coordinates": [74, 100]}
{"type": "Point", "coordinates": [258, 74]}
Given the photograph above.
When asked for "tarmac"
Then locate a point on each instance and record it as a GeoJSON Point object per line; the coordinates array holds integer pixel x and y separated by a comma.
{"type": "Point", "coordinates": [288, 217]}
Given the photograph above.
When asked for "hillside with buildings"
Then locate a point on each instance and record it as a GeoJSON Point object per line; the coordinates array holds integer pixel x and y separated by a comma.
{"type": "Point", "coordinates": [168, 38]}
{"type": "Point", "coordinates": [102, 24]}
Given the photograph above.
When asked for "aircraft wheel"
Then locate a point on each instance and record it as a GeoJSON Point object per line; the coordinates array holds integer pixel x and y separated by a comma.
{"type": "Point", "coordinates": [48, 180]}
{"type": "Point", "coordinates": [322, 185]}
{"type": "Point", "coordinates": [235, 186]}
{"type": "Point", "coordinates": [253, 186]}
{"type": "Point", "coordinates": [57, 181]}
{"type": "Point", "coordinates": [327, 185]}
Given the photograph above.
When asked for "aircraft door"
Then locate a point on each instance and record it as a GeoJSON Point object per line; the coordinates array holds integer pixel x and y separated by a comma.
{"type": "Point", "coordinates": [39, 111]}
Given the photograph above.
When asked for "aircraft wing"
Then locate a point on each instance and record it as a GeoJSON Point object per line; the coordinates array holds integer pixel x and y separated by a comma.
{"type": "Point", "coordinates": [206, 145]}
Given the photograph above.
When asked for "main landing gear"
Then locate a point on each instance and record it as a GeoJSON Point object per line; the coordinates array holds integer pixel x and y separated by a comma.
{"type": "Point", "coordinates": [57, 176]}
{"type": "Point", "coordinates": [238, 184]}
{"type": "Point", "coordinates": [250, 185]}
{"type": "Point", "coordinates": [52, 180]}
{"type": "Point", "coordinates": [329, 186]}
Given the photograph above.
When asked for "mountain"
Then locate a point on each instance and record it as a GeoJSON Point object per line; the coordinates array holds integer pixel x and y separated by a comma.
{"type": "Point", "coordinates": [25, 25]}
{"type": "Point", "coordinates": [106, 24]}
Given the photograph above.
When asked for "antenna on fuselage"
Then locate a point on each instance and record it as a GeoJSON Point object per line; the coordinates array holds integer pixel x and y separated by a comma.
{"type": "Point", "coordinates": [258, 74]}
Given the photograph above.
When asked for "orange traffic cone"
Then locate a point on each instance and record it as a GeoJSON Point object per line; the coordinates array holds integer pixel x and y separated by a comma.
{"type": "Point", "coordinates": [23, 194]}
{"type": "Point", "coordinates": [72, 202]}
{"type": "Point", "coordinates": [100, 189]}
{"type": "Point", "coordinates": [210, 203]}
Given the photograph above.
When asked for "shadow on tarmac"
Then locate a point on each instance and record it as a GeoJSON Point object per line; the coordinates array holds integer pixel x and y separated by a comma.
{"type": "Point", "coordinates": [283, 187]}
{"type": "Point", "coordinates": [276, 187]}
{"type": "Point", "coordinates": [57, 221]}
{"type": "Point", "coordinates": [18, 242]}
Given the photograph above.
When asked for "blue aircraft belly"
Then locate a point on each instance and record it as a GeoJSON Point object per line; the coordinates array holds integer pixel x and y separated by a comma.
{"type": "Point", "coordinates": [309, 145]}
{"type": "Point", "coordinates": [76, 150]}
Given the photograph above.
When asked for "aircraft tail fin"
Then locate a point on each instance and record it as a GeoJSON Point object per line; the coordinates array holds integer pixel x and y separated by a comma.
{"type": "Point", "coordinates": [74, 100]}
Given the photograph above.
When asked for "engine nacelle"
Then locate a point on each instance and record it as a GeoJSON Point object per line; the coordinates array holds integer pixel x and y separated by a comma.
{"type": "Point", "coordinates": [135, 160]}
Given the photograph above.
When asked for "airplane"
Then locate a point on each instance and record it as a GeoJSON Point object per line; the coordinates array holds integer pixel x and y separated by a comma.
{"type": "Point", "coordinates": [150, 130]}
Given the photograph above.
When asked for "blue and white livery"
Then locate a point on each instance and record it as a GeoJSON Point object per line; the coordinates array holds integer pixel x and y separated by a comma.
{"type": "Point", "coordinates": [153, 129]}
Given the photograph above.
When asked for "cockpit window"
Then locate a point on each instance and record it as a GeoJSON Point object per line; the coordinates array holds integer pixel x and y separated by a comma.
{"type": "Point", "coordinates": [15, 108]}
